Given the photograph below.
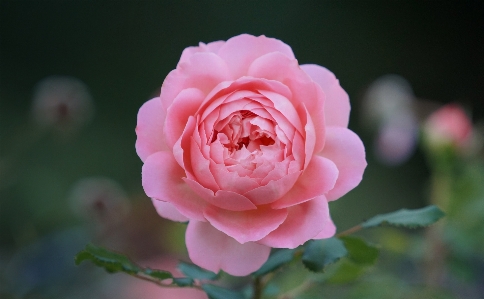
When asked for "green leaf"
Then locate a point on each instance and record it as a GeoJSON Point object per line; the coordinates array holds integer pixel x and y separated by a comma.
{"type": "Point", "coordinates": [407, 218]}
{"type": "Point", "coordinates": [196, 272]}
{"type": "Point", "coordinates": [183, 281]}
{"type": "Point", "coordinates": [116, 262]}
{"type": "Point", "coordinates": [359, 251]}
{"type": "Point", "coordinates": [158, 274]}
{"type": "Point", "coordinates": [275, 261]}
{"type": "Point", "coordinates": [216, 292]}
{"type": "Point", "coordinates": [110, 261]}
{"type": "Point", "coordinates": [320, 253]}
{"type": "Point", "coordinates": [345, 271]}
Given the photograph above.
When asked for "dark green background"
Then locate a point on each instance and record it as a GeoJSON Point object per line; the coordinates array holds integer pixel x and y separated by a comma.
{"type": "Point", "coordinates": [123, 50]}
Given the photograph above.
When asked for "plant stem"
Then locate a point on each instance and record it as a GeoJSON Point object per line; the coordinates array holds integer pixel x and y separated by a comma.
{"type": "Point", "coordinates": [258, 288]}
{"type": "Point", "coordinates": [435, 247]}
{"type": "Point", "coordinates": [350, 231]}
{"type": "Point", "coordinates": [161, 284]}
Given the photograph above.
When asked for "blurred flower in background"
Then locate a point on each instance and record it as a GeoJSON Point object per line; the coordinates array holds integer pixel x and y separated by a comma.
{"type": "Point", "coordinates": [387, 110]}
{"type": "Point", "coordinates": [62, 102]}
{"type": "Point", "coordinates": [101, 203]}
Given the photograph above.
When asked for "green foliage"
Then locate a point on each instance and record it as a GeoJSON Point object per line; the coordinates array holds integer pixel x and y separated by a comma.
{"type": "Point", "coordinates": [344, 271]}
{"type": "Point", "coordinates": [216, 292]}
{"type": "Point", "coordinates": [110, 261]}
{"type": "Point", "coordinates": [276, 260]}
{"type": "Point", "coordinates": [407, 218]}
{"type": "Point", "coordinates": [196, 272]}
{"type": "Point", "coordinates": [183, 281]}
{"type": "Point", "coordinates": [359, 251]}
{"type": "Point", "coordinates": [115, 262]}
{"type": "Point", "coordinates": [361, 255]}
{"type": "Point", "coordinates": [320, 253]}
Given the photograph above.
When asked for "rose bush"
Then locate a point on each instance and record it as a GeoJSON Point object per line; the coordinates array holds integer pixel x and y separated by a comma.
{"type": "Point", "coordinates": [248, 146]}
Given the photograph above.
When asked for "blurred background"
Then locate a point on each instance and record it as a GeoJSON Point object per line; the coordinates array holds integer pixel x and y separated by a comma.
{"type": "Point", "coordinates": [73, 75]}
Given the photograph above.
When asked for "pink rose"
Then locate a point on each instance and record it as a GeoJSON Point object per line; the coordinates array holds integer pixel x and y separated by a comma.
{"type": "Point", "coordinates": [248, 146]}
{"type": "Point", "coordinates": [448, 125]}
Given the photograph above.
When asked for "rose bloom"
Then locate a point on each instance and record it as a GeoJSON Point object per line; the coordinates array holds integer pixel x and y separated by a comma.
{"type": "Point", "coordinates": [448, 125]}
{"type": "Point", "coordinates": [248, 146]}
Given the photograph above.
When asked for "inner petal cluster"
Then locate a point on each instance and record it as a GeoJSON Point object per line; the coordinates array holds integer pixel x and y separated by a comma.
{"type": "Point", "coordinates": [249, 137]}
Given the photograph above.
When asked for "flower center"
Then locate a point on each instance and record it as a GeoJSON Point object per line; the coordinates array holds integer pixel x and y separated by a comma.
{"type": "Point", "coordinates": [244, 129]}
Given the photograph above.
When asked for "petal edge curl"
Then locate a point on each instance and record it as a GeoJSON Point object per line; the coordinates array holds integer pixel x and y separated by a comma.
{"type": "Point", "coordinates": [347, 151]}
{"type": "Point", "coordinates": [161, 178]}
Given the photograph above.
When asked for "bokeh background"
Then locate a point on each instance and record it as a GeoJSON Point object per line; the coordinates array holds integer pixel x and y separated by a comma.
{"type": "Point", "coordinates": [112, 56]}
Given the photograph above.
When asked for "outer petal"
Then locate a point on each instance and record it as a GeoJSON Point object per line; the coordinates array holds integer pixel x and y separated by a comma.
{"type": "Point", "coordinates": [329, 229]}
{"type": "Point", "coordinates": [210, 47]}
{"type": "Point", "coordinates": [316, 180]}
{"type": "Point", "coordinates": [162, 179]}
{"type": "Point", "coordinates": [246, 226]}
{"type": "Point", "coordinates": [204, 71]}
{"type": "Point", "coordinates": [215, 251]}
{"type": "Point", "coordinates": [168, 211]}
{"type": "Point", "coordinates": [149, 129]}
{"type": "Point", "coordinates": [337, 104]}
{"type": "Point", "coordinates": [346, 150]}
{"type": "Point", "coordinates": [240, 51]}
{"type": "Point", "coordinates": [183, 106]}
{"type": "Point", "coordinates": [303, 223]}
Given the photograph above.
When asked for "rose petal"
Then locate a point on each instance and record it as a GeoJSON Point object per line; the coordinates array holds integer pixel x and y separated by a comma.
{"type": "Point", "coordinates": [201, 168]}
{"type": "Point", "coordinates": [303, 223]}
{"type": "Point", "coordinates": [317, 179]}
{"type": "Point", "coordinates": [337, 105]}
{"type": "Point", "coordinates": [149, 129]}
{"type": "Point", "coordinates": [203, 70]}
{"type": "Point", "coordinates": [275, 66]}
{"type": "Point", "coordinates": [310, 138]}
{"type": "Point", "coordinates": [283, 105]}
{"type": "Point", "coordinates": [231, 181]}
{"type": "Point", "coordinates": [273, 190]}
{"type": "Point", "coordinates": [246, 226]}
{"type": "Point", "coordinates": [168, 211]}
{"type": "Point", "coordinates": [181, 149]}
{"type": "Point", "coordinates": [210, 47]}
{"type": "Point", "coordinates": [240, 51]}
{"type": "Point", "coordinates": [162, 180]}
{"type": "Point", "coordinates": [215, 251]}
{"type": "Point", "coordinates": [224, 89]}
{"type": "Point", "coordinates": [184, 105]}
{"type": "Point", "coordinates": [329, 229]}
{"type": "Point", "coordinates": [223, 199]}
{"type": "Point", "coordinates": [346, 150]}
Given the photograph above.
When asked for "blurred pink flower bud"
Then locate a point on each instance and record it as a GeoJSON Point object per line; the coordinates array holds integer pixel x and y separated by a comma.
{"type": "Point", "coordinates": [62, 102]}
{"type": "Point", "coordinates": [448, 125]}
